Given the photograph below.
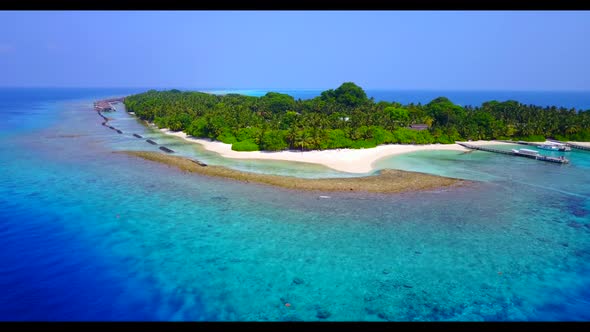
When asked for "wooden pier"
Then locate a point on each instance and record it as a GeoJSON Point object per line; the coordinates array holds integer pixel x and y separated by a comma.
{"type": "Point", "coordinates": [105, 105]}
{"type": "Point", "coordinates": [165, 149]}
{"type": "Point", "coordinates": [521, 142]}
{"type": "Point", "coordinates": [102, 116]}
{"type": "Point", "coordinates": [571, 145]}
{"type": "Point", "coordinates": [200, 163]}
{"type": "Point", "coordinates": [483, 148]}
{"type": "Point", "coordinates": [579, 147]}
{"type": "Point", "coordinates": [512, 153]}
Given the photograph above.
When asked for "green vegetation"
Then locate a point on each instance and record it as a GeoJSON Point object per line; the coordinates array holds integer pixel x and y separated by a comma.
{"type": "Point", "coordinates": [247, 145]}
{"type": "Point", "coordinates": [347, 118]}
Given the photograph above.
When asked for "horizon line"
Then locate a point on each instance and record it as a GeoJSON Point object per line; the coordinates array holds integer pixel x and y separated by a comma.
{"type": "Point", "coordinates": [299, 88]}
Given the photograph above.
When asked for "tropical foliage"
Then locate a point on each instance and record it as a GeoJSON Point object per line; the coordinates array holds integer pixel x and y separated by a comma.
{"type": "Point", "coordinates": [347, 118]}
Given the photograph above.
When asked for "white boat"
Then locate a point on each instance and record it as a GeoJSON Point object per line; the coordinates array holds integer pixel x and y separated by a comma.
{"type": "Point", "coordinates": [527, 152]}
{"type": "Point", "coordinates": [554, 146]}
{"type": "Point", "coordinates": [549, 147]}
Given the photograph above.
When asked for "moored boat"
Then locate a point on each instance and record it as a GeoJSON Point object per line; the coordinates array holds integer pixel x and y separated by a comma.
{"type": "Point", "coordinates": [549, 147]}
{"type": "Point", "coordinates": [536, 155]}
{"type": "Point", "coordinates": [554, 146]}
{"type": "Point", "coordinates": [527, 152]}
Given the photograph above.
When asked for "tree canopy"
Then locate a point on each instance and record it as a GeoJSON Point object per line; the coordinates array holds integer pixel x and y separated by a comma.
{"type": "Point", "coordinates": [346, 118]}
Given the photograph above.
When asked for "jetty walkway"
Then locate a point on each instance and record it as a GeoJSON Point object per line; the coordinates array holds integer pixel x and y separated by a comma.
{"type": "Point", "coordinates": [517, 154]}
{"type": "Point", "coordinates": [571, 145]}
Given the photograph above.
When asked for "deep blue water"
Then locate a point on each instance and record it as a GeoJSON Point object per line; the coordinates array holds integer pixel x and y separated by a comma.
{"type": "Point", "coordinates": [88, 234]}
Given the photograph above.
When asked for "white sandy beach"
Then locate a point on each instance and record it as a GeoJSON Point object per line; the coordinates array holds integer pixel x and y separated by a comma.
{"type": "Point", "coordinates": [581, 143]}
{"type": "Point", "coordinates": [344, 160]}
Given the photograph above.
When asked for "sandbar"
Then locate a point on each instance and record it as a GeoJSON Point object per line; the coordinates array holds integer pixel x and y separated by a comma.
{"type": "Point", "coordinates": [386, 181]}
{"type": "Point", "coordinates": [344, 160]}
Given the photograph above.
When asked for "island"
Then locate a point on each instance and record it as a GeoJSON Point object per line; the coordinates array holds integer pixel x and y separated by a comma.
{"type": "Point", "coordinates": [347, 118]}
{"type": "Point", "coordinates": [342, 129]}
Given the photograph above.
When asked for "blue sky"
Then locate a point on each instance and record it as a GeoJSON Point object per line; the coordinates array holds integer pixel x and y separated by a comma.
{"type": "Point", "coordinates": [448, 50]}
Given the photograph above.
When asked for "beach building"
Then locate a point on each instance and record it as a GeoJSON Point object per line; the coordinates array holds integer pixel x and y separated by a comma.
{"type": "Point", "coordinates": [419, 126]}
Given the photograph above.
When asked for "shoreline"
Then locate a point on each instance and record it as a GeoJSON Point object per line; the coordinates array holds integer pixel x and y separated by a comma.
{"type": "Point", "coordinates": [586, 144]}
{"type": "Point", "coordinates": [359, 161]}
{"type": "Point", "coordinates": [387, 181]}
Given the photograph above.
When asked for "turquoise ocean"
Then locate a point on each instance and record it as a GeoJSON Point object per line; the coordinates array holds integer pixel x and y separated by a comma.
{"type": "Point", "coordinates": [88, 234]}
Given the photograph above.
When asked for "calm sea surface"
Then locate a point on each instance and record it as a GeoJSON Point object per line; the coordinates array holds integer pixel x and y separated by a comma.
{"type": "Point", "coordinates": [87, 234]}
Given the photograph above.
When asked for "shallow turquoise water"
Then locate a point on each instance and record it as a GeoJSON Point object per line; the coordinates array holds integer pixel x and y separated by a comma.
{"type": "Point", "coordinates": [92, 235]}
